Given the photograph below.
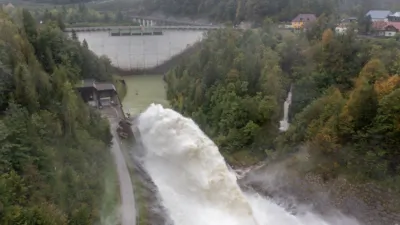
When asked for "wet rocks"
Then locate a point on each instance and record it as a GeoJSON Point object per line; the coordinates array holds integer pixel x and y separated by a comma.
{"type": "Point", "coordinates": [370, 204]}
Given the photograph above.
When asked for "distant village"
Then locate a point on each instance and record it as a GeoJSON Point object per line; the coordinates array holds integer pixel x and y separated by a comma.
{"type": "Point", "coordinates": [384, 23]}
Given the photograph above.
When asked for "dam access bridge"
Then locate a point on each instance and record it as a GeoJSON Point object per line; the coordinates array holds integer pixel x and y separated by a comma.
{"type": "Point", "coordinates": [153, 23]}
{"type": "Point", "coordinates": [167, 27]}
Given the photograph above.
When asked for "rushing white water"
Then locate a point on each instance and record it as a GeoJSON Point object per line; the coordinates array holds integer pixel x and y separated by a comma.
{"type": "Point", "coordinates": [284, 123]}
{"type": "Point", "coordinates": [194, 182]}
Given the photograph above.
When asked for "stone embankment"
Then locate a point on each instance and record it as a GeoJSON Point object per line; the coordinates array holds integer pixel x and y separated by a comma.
{"type": "Point", "coordinates": [146, 192]}
{"type": "Point", "coordinates": [368, 203]}
{"type": "Point", "coordinates": [134, 178]}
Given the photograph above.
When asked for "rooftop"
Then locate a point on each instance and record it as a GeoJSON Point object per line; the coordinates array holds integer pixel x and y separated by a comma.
{"type": "Point", "coordinates": [396, 14]}
{"type": "Point", "coordinates": [394, 24]}
{"type": "Point", "coordinates": [105, 86]}
{"type": "Point", "coordinates": [87, 83]}
{"type": "Point", "coordinates": [381, 25]}
{"type": "Point", "coordinates": [379, 14]}
{"type": "Point", "coordinates": [100, 86]}
{"type": "Point", "coordinates": [349, 20]}
{"type": "Point", "coordinates": [304, 17]}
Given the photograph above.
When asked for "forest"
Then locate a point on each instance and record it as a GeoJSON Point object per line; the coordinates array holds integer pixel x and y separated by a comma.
{"type": "Point", "coordinates": [64, 2]}
{"type": "Point", "coordinates": [53, 148]}
{"type": "Point", "coordinates": [256, 10]}
{"type": "Point", "coordinates": [80, 15]}
{"type": "Point", "coordinates": [345, 107]}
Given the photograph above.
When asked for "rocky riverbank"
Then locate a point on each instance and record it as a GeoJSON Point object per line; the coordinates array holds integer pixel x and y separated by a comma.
{"type": "Point", "coordinates": [150, 211]}
{"type": "Point", "coordinates": [368, 203]}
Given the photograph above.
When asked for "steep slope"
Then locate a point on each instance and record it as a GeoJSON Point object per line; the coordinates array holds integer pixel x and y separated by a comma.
{"type": "Point", "coordinates": [53, 148]}
{"type": "Point", "coordinates": [344, 107]}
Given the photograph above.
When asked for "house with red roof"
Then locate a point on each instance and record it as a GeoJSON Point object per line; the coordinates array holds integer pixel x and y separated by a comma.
{"type": "Point", "coordinates": [301, 20]}
{"type": "Point", "coordinates": [386, 29]}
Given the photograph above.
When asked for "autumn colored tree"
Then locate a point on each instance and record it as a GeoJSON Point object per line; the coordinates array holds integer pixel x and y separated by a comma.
{"type": "Point", "coordinates": [344, 107]}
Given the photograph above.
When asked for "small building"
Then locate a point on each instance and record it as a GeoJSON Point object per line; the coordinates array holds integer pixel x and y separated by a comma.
{"type": "Point", "coordinates": [345, 24]}
{"type": "Point", "coordinates": [340, 29]}
{"type": "Point", "coordinates": [379, 15]}
{"type": "Point", "coordinates": [395, 17]}
{"type": "Point", "coordinates": [386, 29]}
{"type": "Point", "coordinates": [106, 93]}
{"type": "Point", "coordinates": [301, 20]}
{"type": "Point", "coordinates": [98, 94]}
{"type": "Point", "coordinates": [391, 29]}
{"type": "Point", "coordinates": [349, 20]}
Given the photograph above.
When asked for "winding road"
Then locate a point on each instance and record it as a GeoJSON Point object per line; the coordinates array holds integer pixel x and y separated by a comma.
{"type": "Point", "coordinates": [128, 208]}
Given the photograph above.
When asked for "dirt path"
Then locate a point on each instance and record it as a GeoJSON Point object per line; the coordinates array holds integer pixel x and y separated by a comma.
{"type": "Point", "coordinates": [128, 208]}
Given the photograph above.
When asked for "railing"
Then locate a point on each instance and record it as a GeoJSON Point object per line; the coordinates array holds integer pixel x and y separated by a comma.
{"type": "Point", "coordinates": [167, 20]}
{"type": "Point", "coordinates": [110, 28]}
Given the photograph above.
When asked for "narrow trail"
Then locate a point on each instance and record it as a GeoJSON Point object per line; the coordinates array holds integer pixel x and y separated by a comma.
{"type": "Point", "coordinates": [128, 208]}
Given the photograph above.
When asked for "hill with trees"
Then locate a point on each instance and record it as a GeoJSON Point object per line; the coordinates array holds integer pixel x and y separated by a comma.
{"type": "Point", "coordinates": [53, 148]}
{"type": "Point", "coordinates": [345, 98]}
{"type": "Point", "coordinates": [80, 15]}
{"type": "Point", "coordinates": [62, 2]}
{"type": "Point", "coordinates": [256, 10]}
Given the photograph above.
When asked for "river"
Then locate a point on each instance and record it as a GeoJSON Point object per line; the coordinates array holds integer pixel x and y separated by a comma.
{"type": "Point", "coordinates": [195, 185]}
{"type": "Point", "coordinates": [128, 52]}
{"type": "Point", "coordinates": [198, 188]}
{"type": "Point", "coordinates": [142, 91]}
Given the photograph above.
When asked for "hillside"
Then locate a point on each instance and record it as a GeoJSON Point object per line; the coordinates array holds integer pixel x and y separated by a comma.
{"type": "Point", "coordinates": [53, 148]}
{"type": "Point", "coordinates": [257, 10]}
{"type": "Point", "coordinates": [60, 1]}
{"type": "Point", "coordinates": [344, 108]}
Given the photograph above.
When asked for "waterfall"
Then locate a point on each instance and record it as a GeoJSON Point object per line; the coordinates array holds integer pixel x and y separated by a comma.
{"type": "Point", "coordinates": [195, 184]}
{"type": "Point", "coordinates": [284, 123]}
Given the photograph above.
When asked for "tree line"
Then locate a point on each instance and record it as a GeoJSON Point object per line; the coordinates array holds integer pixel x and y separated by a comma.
{"type": "Point", "coordinates": [256, 10]}
{"type": "Point", "coordinates": [53, 148]}
{"type": "Point", "coordinates": [345, 97]}
{"type": "Point", "coordinates": [80, 15]}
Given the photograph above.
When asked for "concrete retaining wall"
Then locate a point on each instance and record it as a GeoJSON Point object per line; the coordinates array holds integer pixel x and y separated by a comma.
{"type": "Point", "coordinates": [165, 66]}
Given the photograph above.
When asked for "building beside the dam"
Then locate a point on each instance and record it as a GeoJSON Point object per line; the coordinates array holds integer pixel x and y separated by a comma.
{"type": "Point", "coordinates": [98, 94]}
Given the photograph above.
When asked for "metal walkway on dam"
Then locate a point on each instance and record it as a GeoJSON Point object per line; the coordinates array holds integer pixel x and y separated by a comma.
{"type": "Point", "coordinates": [112, 28]}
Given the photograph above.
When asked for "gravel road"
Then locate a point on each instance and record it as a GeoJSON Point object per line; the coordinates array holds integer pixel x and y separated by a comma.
{"type": "Point", "coordinates": [128, 208]}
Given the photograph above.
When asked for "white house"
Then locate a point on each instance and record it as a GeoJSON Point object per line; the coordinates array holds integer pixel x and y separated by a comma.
{"type": "Point", "coordinates": [395, 17]}
{"type": "Point", "coordinates": [340, 30]}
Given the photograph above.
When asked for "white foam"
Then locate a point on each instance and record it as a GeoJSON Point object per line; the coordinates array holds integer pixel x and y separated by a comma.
{"type": "Point", "coordinates": [284, 123]}
{"type": "Point", "coordinates": [194, 182]}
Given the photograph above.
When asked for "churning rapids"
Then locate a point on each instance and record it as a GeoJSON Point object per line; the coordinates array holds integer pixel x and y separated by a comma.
{"type": "Point", "coordinates": [195, 184]}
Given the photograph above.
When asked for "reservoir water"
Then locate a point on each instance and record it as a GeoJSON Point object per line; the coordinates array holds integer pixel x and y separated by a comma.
{"type": "Point", "coordinates": [142, 91]}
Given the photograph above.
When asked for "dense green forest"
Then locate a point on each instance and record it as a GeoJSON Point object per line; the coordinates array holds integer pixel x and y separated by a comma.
{"type": "Point", "coordinates": [81, 15]}
{"type": "Point", "coordinates": [345, 106]}
{"type": "Point", "coordinates": [256, 10]}
{"type": "Point", "coordinates": [53, 148]}
{"type": "Point", "coordinates": [61, 1]}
